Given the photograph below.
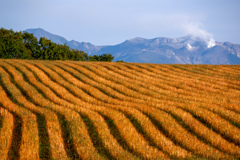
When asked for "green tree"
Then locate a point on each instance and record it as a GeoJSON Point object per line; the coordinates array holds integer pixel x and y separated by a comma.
{"type": "Point", "coordinates": [86, 57]}
{"type": "Point", "coordinates": [94, 58]}
{"type": "Point", "coordinates": [31, 44]}
{"type": "Point", "coordinates": [25, 46]}
{"type": "Point", "coordinates": [11, 45]}
{"type": "Point", "coordinates": [106, 57]}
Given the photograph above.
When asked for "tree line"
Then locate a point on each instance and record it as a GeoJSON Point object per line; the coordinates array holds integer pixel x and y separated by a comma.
{"type": "Point", "coordinates": [24, 45]}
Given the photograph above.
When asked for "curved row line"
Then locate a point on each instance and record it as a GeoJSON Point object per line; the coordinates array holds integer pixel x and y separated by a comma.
{"type": "Point", "coordinates": [206, 101]}
{"type": "Point", "coordinates": [52, 74]}
{"type": "Point", "coordinates": [182, 94]}
{"type": "Point", "coordinates": [215, 106]}
{"type": "Point", "coordinates": [227, 100]}
{"type": "Point", "coordinates": [222, 109]}
{"type": "Point", "coordinates": [52, 124]}
{"type": "Point", "coordinates": [81, 139]}
{"type": "Point", "coordinates": [219, 79]}
{"type": "Point", "coordinates": [129, 111]}
{"type": "Point", "coordinates": [138, 138]}
{"type": "Point", "coordinates": [177, 75]}
{"type": "Point", "coordinates": [101, 112]}
{"type": "Point", "coordinates": [28, 146]}
{"type": "Point", "coordinates": [216, 99]}
{"type": "Point", "coordinates": [6, 132]}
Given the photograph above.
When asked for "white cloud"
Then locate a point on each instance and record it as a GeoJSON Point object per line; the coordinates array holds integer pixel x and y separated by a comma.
{"type": "Point", "coordinates": [197, 30]}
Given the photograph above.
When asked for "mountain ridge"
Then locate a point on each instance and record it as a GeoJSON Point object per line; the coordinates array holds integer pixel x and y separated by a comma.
{"type": "Point", "coordinates": [182, 50]}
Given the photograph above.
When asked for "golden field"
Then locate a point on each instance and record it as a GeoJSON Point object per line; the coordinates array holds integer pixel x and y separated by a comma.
{"type": "Point", "coordinates": [109, 110]}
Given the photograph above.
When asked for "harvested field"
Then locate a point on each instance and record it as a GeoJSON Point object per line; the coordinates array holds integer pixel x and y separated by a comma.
{"type": "Point", "coordinates": [109, 110]}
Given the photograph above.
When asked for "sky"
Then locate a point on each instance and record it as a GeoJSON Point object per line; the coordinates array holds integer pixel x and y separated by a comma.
{"type": "Point", "coordinates": [110, 22]}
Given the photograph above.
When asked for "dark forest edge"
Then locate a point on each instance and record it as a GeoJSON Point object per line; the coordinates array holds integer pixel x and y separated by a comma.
{"type": "Point", "coordinates": [24, 45]}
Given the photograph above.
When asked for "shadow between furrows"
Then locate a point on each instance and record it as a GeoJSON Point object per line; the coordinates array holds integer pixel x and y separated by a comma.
{"type": "Point", "coordinates": [16, 138]}
{"type": "Point", "coordinates": [141, 131]}
{"type": "Point", "coordinates": [44, 145]}
{"type": "Point", "coordinates": [226, 137]}
{"type": "Point", "coordinates": [67, 138]}
{"type": "Point", "coordinates": [78, 76]}
{"type": "Point", "coordinates": [182, 67]}
{"type": "Point", "coordinates": [91, 130]}
{"type": "Point", "coordinates": [97, 143]}
{"type": "Point", "coordinates": [68, 141]}
{"type": "Point", "coordinates": [166, 133]}
{"type": "Point", "coordinates": [116, 134]}
{"type": "Point", "coordinates": [133, 121]}
{"type": "Point", "coordinates": [83, 81]}
{"type": "Point", "coordinates": [185, 126]}
{"type": "Point", "coordinates": [223, 117]}
{"type": "Point", "coordinates": [17, 129]}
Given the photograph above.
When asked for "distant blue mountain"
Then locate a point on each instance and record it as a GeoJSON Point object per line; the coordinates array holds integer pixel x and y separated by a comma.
{"type": "Point", "coordinates": [183, 50]}
{"type": "Point", "coordinates": [42, 33]}
{"type": "Point", "coordinates": [87, 47]}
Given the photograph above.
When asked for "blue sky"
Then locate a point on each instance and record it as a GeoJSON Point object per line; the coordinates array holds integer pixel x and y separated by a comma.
{"type": "Point", "coordinates": [105, 22]}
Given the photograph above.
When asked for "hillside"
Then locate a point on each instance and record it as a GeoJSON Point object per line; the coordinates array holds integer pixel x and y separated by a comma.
{"type": "Point", "coordinates": [87, 110]}
{"type": "Point", "coordinates": [163, 50]}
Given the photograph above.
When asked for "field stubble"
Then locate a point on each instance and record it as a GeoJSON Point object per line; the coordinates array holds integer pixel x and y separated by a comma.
{"type": "Point", "coordinates": [87, 110]}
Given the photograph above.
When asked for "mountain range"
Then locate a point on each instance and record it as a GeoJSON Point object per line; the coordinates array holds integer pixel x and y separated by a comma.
{"type": "Point", "coordinates": [183, 50]}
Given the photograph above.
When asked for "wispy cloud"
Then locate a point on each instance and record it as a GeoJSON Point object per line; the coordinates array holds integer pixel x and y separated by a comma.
{"type": "Point", "coordinates": [197, 30]}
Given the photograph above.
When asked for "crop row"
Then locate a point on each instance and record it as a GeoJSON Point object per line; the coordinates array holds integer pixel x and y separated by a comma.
{"type": "Point", "coordinates": [77, 110]}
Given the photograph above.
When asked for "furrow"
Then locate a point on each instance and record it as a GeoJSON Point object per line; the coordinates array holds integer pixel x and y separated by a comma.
{"type": "Point", "coordinates": [105, 137]}
{"type": "Point", "coordinates": [87, 75]}
{"type": "Point", "coordinates": [128, 132]}
{"type": "Point", "coordinates": [220, 110]}
{"type": "Point", "coordinates": [202, 131]}
{"type": "Point", "coordinates": [137, 87]}
{"type": "Point", "coordinates": [46, 119]}
{"type": "Point", "coordinates": [219, 100]}
{"type": "Point", "coordinates": [76, 132]}
{"type": "Point", "coordinates": [183, 137]}
{"type": "Point", "coordinates": [170, 72]}
{"type": "Point", "coordinates": [134, 94]}
{"type": "Point", "coordinates": [193, 138]}
{"type": "Point", "coordinates": [152, 152]}
{"type": "Point", "coordinates": [177, 80]}
{"type": "Point", "coordinates": [6, 132]}
{"type": "Point", "coordinates": [116, 87]}
{"type": "Point", "coordinates": [93, 110]}
{"type": "Point", "coordinates": [227, 114]}
{"type": "Point", "coordinates": [225, 100]}
{"type": "Point", "coordinates": [111, 144]}
{"type": "Point", "coordinates": [147, 126]}
{"type": "Point", "coordinates": [123, 87]}
{"type": "Point", "coordinates": [234, 69]}
{"type": "Point", "coordinates": [221, 81]}
{"type": "Point", "coordinates": [28, 147]}
{"type": "Point", "coordinates": [220, 125]}
{"type": "Point", "coordinates": [179, 97]}
{"type": "Point", "coordinates": [81, 90]}
{"type": "Point", "coordinates": [159, 86]}
{"type": "Point", "coordinates": [87, 83]}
